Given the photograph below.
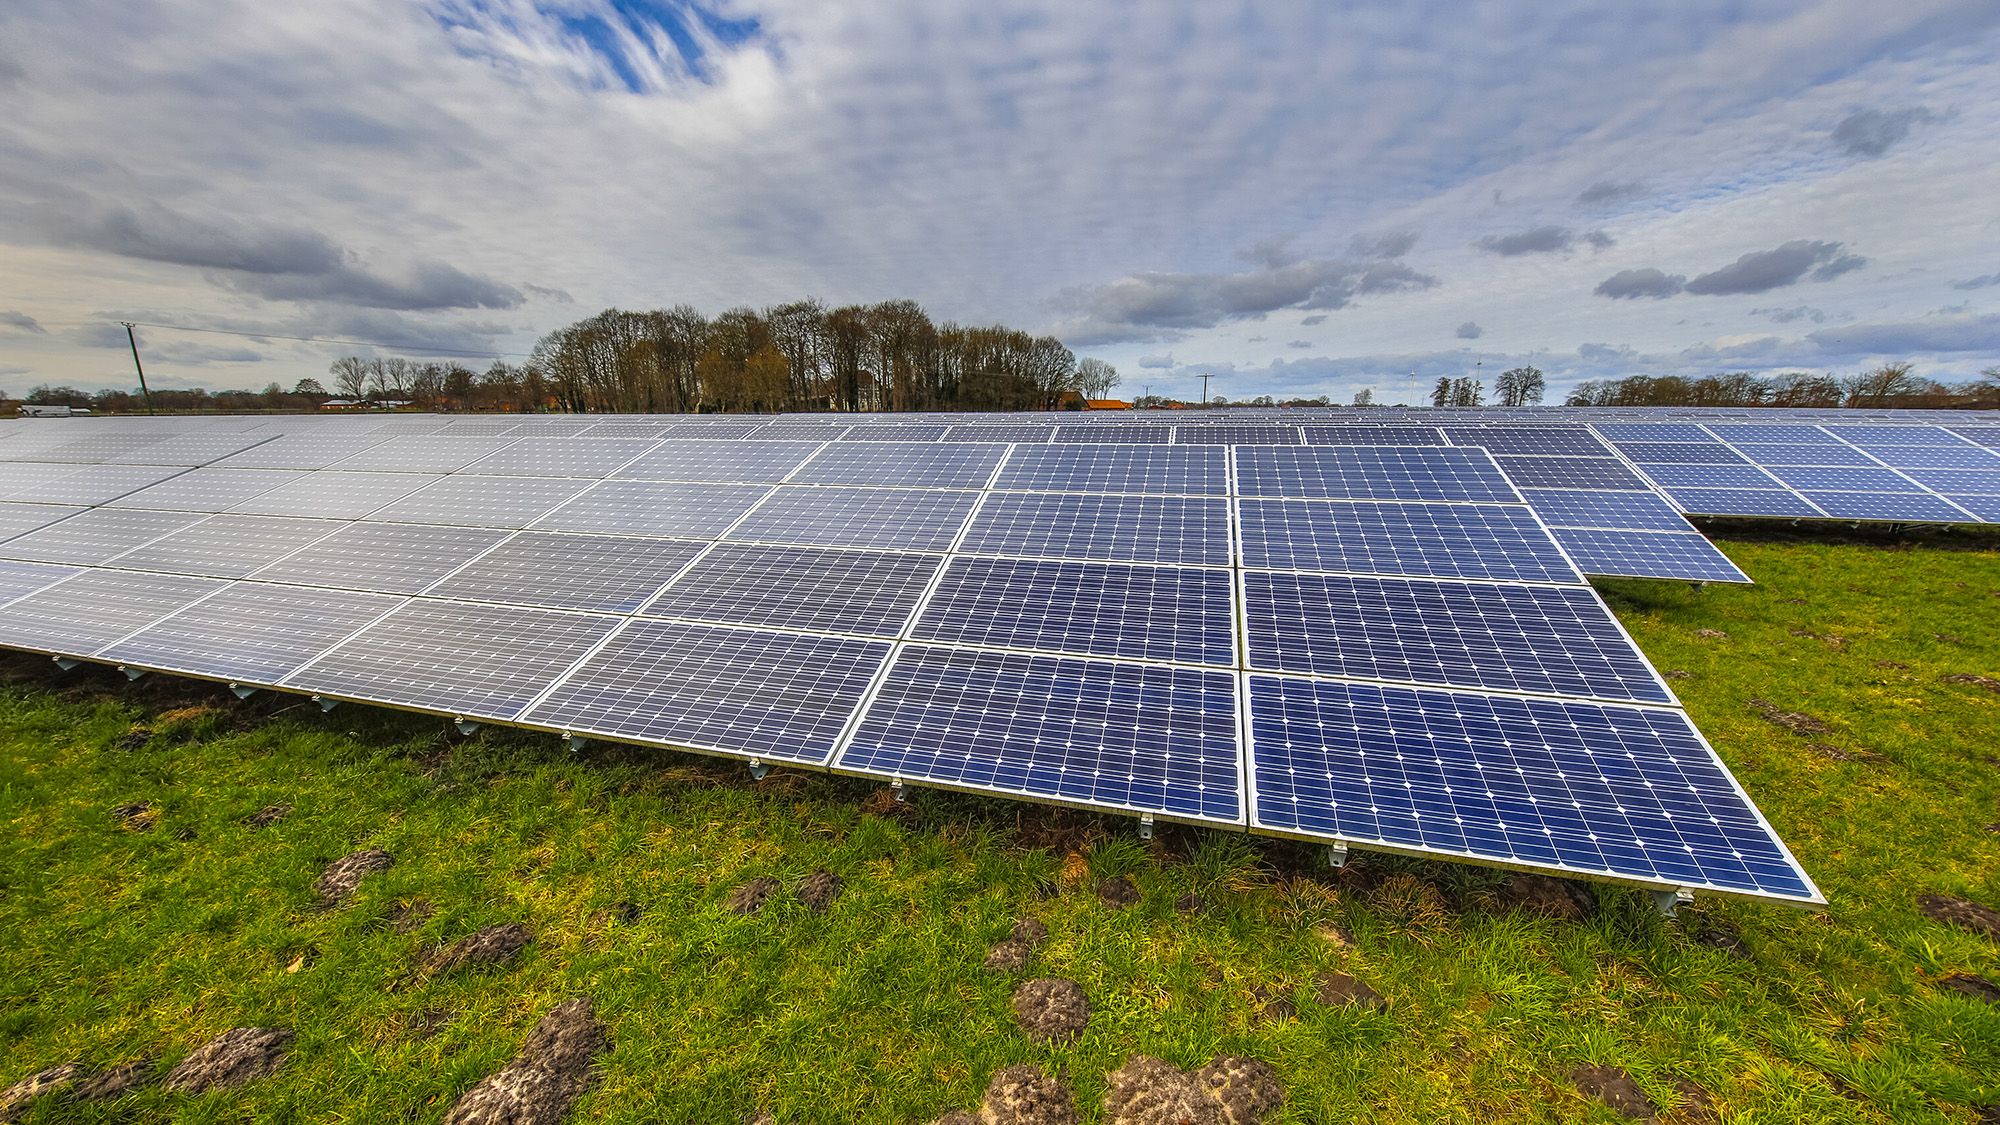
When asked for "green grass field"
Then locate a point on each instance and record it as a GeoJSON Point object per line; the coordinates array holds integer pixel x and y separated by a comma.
{"type": "Point", "coordinates": [118, 944]}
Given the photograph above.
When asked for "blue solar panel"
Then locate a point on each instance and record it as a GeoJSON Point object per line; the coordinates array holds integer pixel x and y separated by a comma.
{"type": "Point", "coordinates": [897, 431]}
{"type": "Point", "coordinates": [662, 508]}
{"type": "Point", "coordinates": [721, 461]}
{"type": "Point", "coordinates": [1545, 440]}
{"type": "Point", "coordinates": [1540, 639]}
{"type": "Point", "coordinates": [1233, 433]}
{"type": "Point", "coordinates": [734, 691]}
{"type": "Point", "coordinates": [251, 631]}
{"type": "Point", "coordinates": [1617, 791]}
{"type": "Point", "coordinates": [799, 431]}
{"type": "Point", "coordinates": [1680, 453]}
{"type": "Point", "coordinates": [1709, 476]}
{"type": "Point", "coordinates": [605, 573]}
{"type": "Point", "coordinates": [1923, 457]}
{"type": "Point", "coordinates": [1569, 472]}
{"type": "Point", "coordinates": [1152, 529]}
{"type": "Point", "coordinates": [1089, 609]}
{"type": "Point", "coordinates": [1744, 502]}
{"type": "Point", "coordinates": [867, 593]}
{"type": "Point", "coordinates": [1683, 555]}
{"type": "Point", "coordinates": [903, 464]}
{"type": "Point", "coordinates": [1892, 434]}
{"type": "Point", "coordinates": [911, 519]}
{"type": "Point", "coordinates": [1372, 435]}
{"type": "Point", "coordinates": [1096, 433]}
{"type": "Point", "coordinates": [1808, 479]}
{"type": "Point", "coordinates": [1369, 473]}
{"type": "Point", "coordinates": [1987, 508]}
{"type": "Point", "coordinates": [1957, 480]}
{"type": "Point", "coordinates": [1914, 507]}
{"type": "Point", "coordinates": [1775, 434]}
{"type": "Point", "coordinates": [1622, 432]}
{"type": "Point", "coordinates": [1001, 431]}
{"type": "Point", "coordinates": [19, 579]}
{"type": "Point", "coordinates": [1191, 470]}
{"type": "Point", "coordinates": [1988, 436]}
{"type": "Point", "coordinates": [1145, 737]}
{"type": "Point", "coordinates": [1585, 508]}
{"type": "Point", "coordinates": [1436, 540]}
{"type": "Point", "coordinates": [1829, 454]}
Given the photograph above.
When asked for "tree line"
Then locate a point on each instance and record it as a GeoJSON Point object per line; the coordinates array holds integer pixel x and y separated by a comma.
{"type": "Point", "coordinates": [1892, 385]}
{"type": "Point", "coordinates": [1520, 386]}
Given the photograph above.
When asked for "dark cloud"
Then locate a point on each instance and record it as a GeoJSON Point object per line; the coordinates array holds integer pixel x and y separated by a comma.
{"type": "Point", "coordinates": [1764, 270]}
{"type": "Point", "coordinates": [1980, 282]}
{"type": "Point", "coordinates": [1795, 313]}
{"type": "Point", "coordinates": [1912, 337]}
{"type": "Point", "coordinates": [1271, 253]}
{"type": "Point", "coordinates": [1316, 318]}
{"type": "Point", "coordinates": [20, 322]}
{"type": "Point", "coordinates": [1548, 239]}
{"type": "Point", "coordinates": [1300, 344]}
{"type": "Point", "coordinates": [10, 72]}
{"type": "Point", "coordinates": [1872, 132]}
{"type": "Point", "coordinates": [1383, 245]}
{"type": "Point", "coordinates": [1156, 362]}
{"type": "Point", "coordinates": [103, 330]}
{"type": "Point", "coordinates": [1151, 305]}
{"type": "Point", "coordinates": [558, 296]}
{"type": "Point", "coordinates": [1646, 282]}
{"type": "Point", "coordinates": [1470, 331]}
{"type": "Point", "coordinates": [271, 261]}
{"type": "Point", "coordinates": [1605, 192]}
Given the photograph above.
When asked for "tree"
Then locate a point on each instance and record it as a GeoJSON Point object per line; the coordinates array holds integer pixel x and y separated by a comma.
{"type": "Point", "coordinates": [1882, 385]}
{"type": "Point", "coordinates": [350, 377]}
{"type": "Point", "coordinates": [1441, 394]}
{"type": "Point", "coordinates": [1364, 397]}
{"type": "Point", "coordinates": [1095, 378]}
{"type": "Point", "coordinates": [309, 386]}
{"type": "Point", "coordinates": [1521, 386]}
{"type": "Point", "coordinates": [1467, 391]}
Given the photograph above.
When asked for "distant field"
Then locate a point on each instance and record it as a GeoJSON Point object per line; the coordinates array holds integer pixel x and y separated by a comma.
{"type": "Point", "coordinates": [1855, 691]}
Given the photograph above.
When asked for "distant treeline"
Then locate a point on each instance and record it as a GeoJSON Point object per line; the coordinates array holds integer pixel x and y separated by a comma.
{"type": "Point", "coordinates": [1892, 385]}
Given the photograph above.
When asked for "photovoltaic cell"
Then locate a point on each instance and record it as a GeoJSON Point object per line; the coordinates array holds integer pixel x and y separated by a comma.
{"type": "Point", "coordinates": [19, 519]}
{"type": "Point", "coordinates": [903, 464]}
{"type": "Point", "coordinates": [1000, 431]}
{"type": "Point", "coordinates": [333, 495]}
{"type": "Point", "coordinates": [1372, 435]}
{"type": "Point", "coordinates": [1986, 507]}
{"type": "Point", "coordinates": [605, 573]}
{"type": "Point", "coordinates": [383, 557]}
{"type": "Point", "coordinates": [897, 431]}
{"type": "Point", "coordinates": [187, 449]}
{"type": "Point", "coordinates": [19, 579]}
{"type": "Point", "coordinates": [1675, 477]}
{"type": "Point", "coordinates": [1191, 470]}
{"type": "Point", "coordinates": [251, 631]}
{"type": "Point", "coordinates": [226, 546]}
{"type": "Point", "coordinates": [92, 484]}
{"type": "Point", "coordinates": [1622, 432]}
{"type": "Point", "coordinates": [1745, 502]}
{"type": "Point", "coordinates": [658, 508]}
{"type": "Point", "coordinates": [82, 614]}
{"type": "Point", "coordinates": [1907, 507]}
{"type": "Point", "coordinates": [98, 447]}
{"type": "Point", "coordinates": [303, 451]}
{"type": "Point", "coordinates": [1545, 440]}
{"type": "Point", "coordinates": [799, 431]}
{"type": "Point", "coordinates": [740, 462]}
{"type": "Point", "coordinates": [1234, 433]}
{"type": "Point", "coordinates": [1569, 472]}
{"type": "Point", "coordinates": [457, 658]}
{"type": "Point", "coordinates": [1735, 432]}
{"type": "Point", "coordinates": [858, 517]}
{"type": "Point", "coordinates": [1144, 737]}
{"type": "Point", "coordinates": [1149, 529]}
{"type": "Point", "coordinates": [1616, 790]}
{"type": "Point", "coordinates": [1893, 434]}
{"type": "Point", "coordinates": [1586, 508]}
{"type": "Point", "coordinates": [1370, 473]}
{"type": "Point", "coordinates": [1934, 456]}
{"type": "Point", "coordinates": [1088, 609]}
{"type": "Point", "coordinates": [471, 501]}
{"type": "Point", "coordinates": [866, 593]}
{"type": "Point", "coordinates": [206, 490]}
{"type": "Point", "coordinates": [1957, 480]}
{"type": "Point", "coordinates": [1828, 454]}
{"type": "Point", "coordinates": [1648, 554]}
{"type": "Point", "coordinates": [1680, 453]}
{"type": "Point", "coordinates": [739, 691]}
{"type": "Point", "coordinates": [1150, 433]}
{"type": "Point", "coordinates": [1495, 541]}
{"type": "Point", "coordinates": [561, 457]}
{"type": "Point", "coordinates": [423, 453]}
{"type": "Point", "coordinates": [91, 537]}
{"type": "Point", "coordinates": [1536, 639]}
{"type": "Point", "coordinates": [1842, 479]}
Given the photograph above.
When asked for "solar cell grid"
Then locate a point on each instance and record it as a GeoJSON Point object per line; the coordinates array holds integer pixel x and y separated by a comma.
{"type": "Point", "coordinates": [91, 537]}
{"type": "Point", "coordinates": [98, 447]}
{"type": "Point", "coordinates": [335, 495]}
{"type": "Point", "coordinates": [1151, 529]}
{"type": "Point", "coordinates": [383, 557]}
{"type": "Point", "coordinates": [187, 449]}
{"type": "Point", "coordinates": [714, 429]}
{"type": "Point", "coordinates": [422, 453]}
{"type": "Point", "coordinates": [1648, 554]}
{"type": "Point", "coordinates": [225, 546]}
{"type": "Point", "coordinates": [799, 431]}
{"type": "Point", "coordinates": [473, 501]}
{"type": "Point", "coordinates": [826, 516]}
{"type": "Point", "coordinates": [740, 462]}
{"type": "Point", "coordinates": [1828, 454]}
{"type": "Point", "coordinates": [251, 631]}
{"type": "Point", "coordinates": [1843, 479]}
{"type": "Point", "coordinates": [83, 484]}
{"type": "Point", "coordinates": [19, 519]}
{"type": "Point", "coordinates": [1745, 502]}
{"type": "Point", "coordinates": [1985, 507]}
{"type": "Point", "coordinates": [1988, 436]}
{"type": "Point", "coordinates": [1672, 477]}
{"type": "Point", "coordinates": [1569, 472]}
{"type": "Point", "coordinates": [206, 490]}
{"type": "Point", "coordinates": [1151, 738]}
{"type": "Point", "coordinates": [561, 457]}
{"type": "Point", "coordinates": [1370, 473]}
{"type": "Point", "coordinates": [1588, 508]}
{"type": "Point", "coordinates": [1493, 541]}
{"type": "Point", "coordinates": [1233, 433]}
{"type": "Point", "coordinates": [303, 451]}
{"type": "Point", "coordinates": [1908, 507]}
{"type": "Point", "coordinates": [1894, 435]}
{"type": "Point", "coordinates": [997, 431]}
{"type": "Point", "coordinates": [1680, 453]}
{"type": "Point", "coordinates": [604, 573]}
{"type": "Point", "coordinates": [903, 464]}
{"type": "Point", "coordinates": [1545, 440]}
{"type": "Point", "coordinates": [1148, 433]}
{"type": "Point", "coordinates": [1933, 456]}
{"type": "Point", "coordinates": [823, 589]}
{"type": "Point", "coordinates": [81, 614]}
{"type": "Point", "coordinates": [1957, 480]}
{"type": "Point", "coordinates": [897, 431]}
{"type": "Point", "coordinates": [1371, 435]}
{"type": "Point", "coordinates": [1734, 432]}
{"type": "Point", "coordinates": [1545, 640]}
{"type": "Point", "coordinates": [1166, 469]}
{"type": "Point", "coordinates": [1622, 432]}
{"type": "Point", "coordinates": [764, 695]}
{"type": "Point", "coordinates": [1089, 609]}
{"type": "Point", "coordinates": [19, 579]}
{"type": "Point", "coordinates": [661, 508]}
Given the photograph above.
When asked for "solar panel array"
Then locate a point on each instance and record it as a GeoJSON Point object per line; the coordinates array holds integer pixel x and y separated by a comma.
{"type": "Point", "coordinates": [1384, 642]}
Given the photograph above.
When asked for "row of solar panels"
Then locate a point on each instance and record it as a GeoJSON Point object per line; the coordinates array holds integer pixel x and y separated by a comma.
{"type": "Point", "coordinates": [1184, 632]}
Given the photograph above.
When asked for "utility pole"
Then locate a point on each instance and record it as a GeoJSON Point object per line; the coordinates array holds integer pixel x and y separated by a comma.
{"type": "Point", "coordinates": [1204, 388]}
{"type": "Point", "coordinates": [134, 341]}
{"type": "Point", "coordinates": [1149, 393]}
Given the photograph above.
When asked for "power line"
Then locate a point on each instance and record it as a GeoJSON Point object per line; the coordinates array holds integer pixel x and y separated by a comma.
{"type": "Point", "coordinates": [421, 349]}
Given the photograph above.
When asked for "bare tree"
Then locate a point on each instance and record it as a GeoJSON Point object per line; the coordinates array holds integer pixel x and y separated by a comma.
{"type": "Point", "coordinates": [350, 377]}
{"type": "Point", "coordinates": [1095, 378]}
{"type": "Point", "coordinates": [1520, 386]}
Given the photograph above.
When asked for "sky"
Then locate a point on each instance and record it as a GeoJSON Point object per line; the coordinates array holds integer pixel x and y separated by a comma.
{"type": "Point", "coordinates": [1295, 199]}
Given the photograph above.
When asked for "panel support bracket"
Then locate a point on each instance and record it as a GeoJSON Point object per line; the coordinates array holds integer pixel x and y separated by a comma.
{"type": "Point", "coordinates": [1336, 856]}
{"type": "Point", "coordinates": [1145, 826]}
{"type": "Point", "coordinates": [758, 769]}
{"type": "Point", "coordinates": [464, 725]}
{"type": "Point", "coordinates": [242, 691]}
{"type": "Point", "coordinates": [573, 741]}
{"type": "Point", "coordinates": [130, 672]}
{"type": "Point", "coordinates": [901, 794]}
{"type": "Point", "coordinates": [1667, 902]}
{"type": "Point", "coordinates": [325, 704]}
{"type": "Point", "coordinates": [65, 663]}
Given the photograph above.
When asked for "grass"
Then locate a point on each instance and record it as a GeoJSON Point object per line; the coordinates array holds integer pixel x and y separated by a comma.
{"type": "Point", "coordinates": [117, 945]}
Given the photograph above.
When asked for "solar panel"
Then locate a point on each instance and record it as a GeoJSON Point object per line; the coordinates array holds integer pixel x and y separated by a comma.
{"type": "Point", "coordinates": [1672, 477]}
{"type": "Point", "coordinates": [737, 691]}
{"type": "Point", "coordinates": [187, 449]}
{"type": "Point", "coordinates": [1957, 480]}
{"type": "Point", "coordinates": [226, 546]}
{"type": "Point", "coordinates": [865, 593]}
{"type": "Point", "coordinates": [458, 658]}
{"type": "Point", "coordinates": [206, 490]}
{"type": "Point", "coordinates": [1545, 440]}
{"type": "Point", "coordinates": [1934, 456]}
{"type": "Point", "coordinates": [730, 429]}
{"type": "Point", "coordinates": [1370, 473]}
{"type": "Point", "coordinates": [1843, 479]}
{"type": "Point", "coordinates": [663, 508]}
{"type": "Point", "coordinates": [903, 464]}
{"type": "Point", "coordinates": [897, 431]}
{"type": "Point", "coordinates": [1621, 432]}
{"type": "Point", "coordinates": [605, 573]}
{"type": "Point", "coordinates": [1648, 554]}
{"type": "Point", "coordinates": [18, 519]}
{"type": "Point", "coordinates": [1894, 435]}
{"type": "Point", "coordinates": [251, 631]}
{"type": "Point", "coordinates": [1745, 502]}
{"type": "Point", "coordinates": [1680, 453]}
{"type": "Point", "coordinates": [1907, 507]}
{"type": "Point", "coordinates": [96, 448]}
{"type": "Point", "coordinates": [1988, 436]}
{"type": "Point", "coordinates": [82, 614]}
{"type": "Point", "coordinates": [562, 457]}
{"type": "Point", "coordinates": [799, 431]}
{"type": "Point", "coordinates": [994, 431]}
{"type": "Point", "coordinates": [1569, 472]}
{"type": "Point", "coordinates": [423, 453]}
{"type": "Point", "coordinates": [1496, 541]}
{"type": "Point", "coordinates": [1586, 508]}
{"type": "Point", "coordinates": [757, 462]}
{"type": "Point", "coordinates": [92, 537]}
{"type": "Point", "coordinates": [1089, 609]}
{"type": "Point", "coordinates": [386, 558]}
{"type": "Point", "coordinates": [1986, 507]}
{"type": "Point", "coordinates": [1617, 791]}
{"type": "Point", "coordinates": [1775, 434]}
{"type": "Point", "coordinates": [1372, 435]}
{"type": "Point", "coordinates": [1149, 529]}
{"type": "Point", "coordinates": [89, 484]}
{"type": "Point", "coordinates": [1149, 433]}
{"type": "Point", "coordinates": [1234, 433]}
{"type": "Point", "coordinates": [303, 451]}
{"type": "Point", "coordinates": [471, 501]}
{"type": "Point", "coordinates": [19, 579]}
{"type": "Point", "coordinates": [1192, 470]}
{"type": "Point", "coordinates": [1143, 737]}
{"type": "Point", "coordinates": [1538, 639]}
{"type": "Point", "coordinates": [858, 517]}
{"type": "Point", "coordinates": [333, 495]}
{"type": "Point", "coordinates": [1764, 454]}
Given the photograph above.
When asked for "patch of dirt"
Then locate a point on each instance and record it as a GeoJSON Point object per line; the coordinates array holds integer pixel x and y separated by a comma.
{"type": "Point", "coordinates": [237, 1056]}
{"type": "Point", "coordinates": [1117, 892]}
{"type": "Point", "coordinates": [409, 917]}
{"type": "Point", "coordinates": [1334, 934]}
{"type": "Point", "coordinates": [1677, 673]}
{"type": "Point", "coordinates": [1895, 664]}
{"type": "Point", "coordinates": [538, 1086]}
{"type": "Point", "coordinates": [1338, 990]}
{"type": "Point", "coordinates": [1247, 1090]}
{"type": "Point", "coordinates": [1798, 722]}
{"type": "Point", "coordinates": [1272, 1006]}
{"type": "Point", "coordinates": [1711, 634]}
{"type": "Point", "coordinates": [267, 816]}
{"type": "Point", "coordinates": [135, 738]}
{"type": "Point", "coordinates": [1961, 912]}
{"type": "Point", "coordinates": [1615, 1088]}
{"type": "Point", "coordinates": [1051, 1009]}
{"type": "Point", "coordinates": [1012, 953]}
{"type": "Point", "coordinates": [343, 876]}
{"type": "Point", "coordinates": [1838, 754]}
{"type": "Point", "coordinates": [1833, 640]}
{"type": "Point", "coordinates": [16, 1099]}
{"type": "Point", "coordinates": [1023, 1095]}
{"type": "Point", "coordinates": [1231, 1090]}
{"type": "Point", "coordinates": [1987, 682]}
{"type": "Point", "coordinates": [424, 1024]}
{"type": "Point", "coordinates": [490, 946]}
{"type": "Point", "coordinates": [619, 913]}
{"type": "Point", "coordinates": [1720, 939]}
{"type": "Point", "coordinates": [1793, 601]}
{"type": "Point", "coordinates": [1553, 898]}
{"type": "Point", "coordinates": [819, 890]}
{"type": "Point", "coordinates": [1696, 1106]}
{"type": "Point", "coordinates": [1190, 903]}
{"type": "Point", "coordinates": [1977, 987]}
{"type": "Point", "coordinates": [751, 896]}
{"type": "Point", "coordinates": [139, 816]}
{"type": "Point", "coordinates": [112, 1082]}
{"type": "Point", "coordinates": [1948, 638]}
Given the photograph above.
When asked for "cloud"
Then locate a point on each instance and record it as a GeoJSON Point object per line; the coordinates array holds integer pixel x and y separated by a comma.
{"type": "Point", "coordinates": [1606, 192]}
{"type": "Point", "coordinates": [1764, 270]}
{"type": "Point", "coordinates": [430, 285]}
{"type": "Point", "coordinates": [1787, 316]}
{"type": "Point", "coordinates": [1632, 284]}
{"type": "Point", "coordinates": [1152, 305]}
{"type": "Point", "coordinates": [1979, 282]}
{"type": "Point", "coordinates": [1300, 344]}
{"type": "Point", "coordinates": [1316, 318]}
{"type": "Point", "coordinates": [1548, 239]}
{"type": "Point", "coordinates": [1872, 132]}
{"type": "Point", "coordinates": [1383, 245]}
{"type": "Point", "coordinates": [19, 322]}
{"type": "Point", "coordinates": [1157, 362]}
{"type": "Point", "coordinates": [1470, 331]}
{"type": "Point", "coordinates": [1961, 333]}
